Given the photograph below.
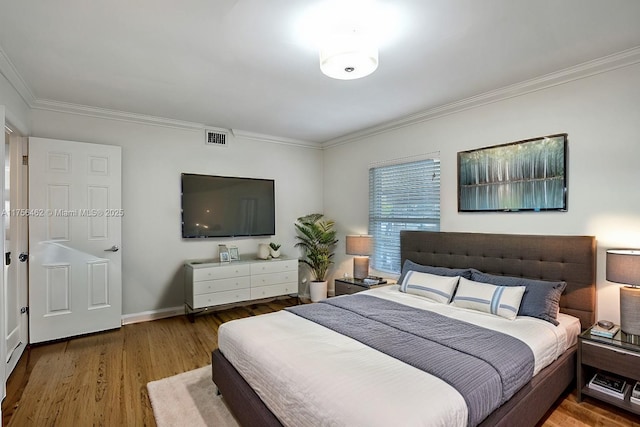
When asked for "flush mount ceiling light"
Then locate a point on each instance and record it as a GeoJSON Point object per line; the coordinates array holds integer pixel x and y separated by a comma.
{"type": "Point", "coordinates": [349, 57]}
{"type": "Point", "coordinates": [348, 33]}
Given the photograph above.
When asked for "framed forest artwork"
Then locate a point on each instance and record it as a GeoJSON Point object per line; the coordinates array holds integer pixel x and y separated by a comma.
{"type": "Point", "coordinates": [529, 175]}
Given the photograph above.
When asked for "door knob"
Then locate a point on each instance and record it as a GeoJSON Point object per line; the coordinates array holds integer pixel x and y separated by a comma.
{"type": "Point", "coordinates": [23, 257]}
{"type": "Point", "coordinates": [113, 248]}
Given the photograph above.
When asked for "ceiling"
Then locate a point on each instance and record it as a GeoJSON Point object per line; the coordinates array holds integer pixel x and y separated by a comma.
{"type": "Point", "coordinates": [247, 65]}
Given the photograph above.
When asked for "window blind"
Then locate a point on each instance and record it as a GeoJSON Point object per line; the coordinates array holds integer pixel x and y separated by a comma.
{"type": "Point", "coordinates": [403, 196]}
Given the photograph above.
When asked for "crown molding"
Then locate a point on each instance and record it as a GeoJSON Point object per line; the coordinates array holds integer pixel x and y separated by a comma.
{"type": "Point", "coordinates": [8, 70]}
{"type": "Point", "coordinates": [274, 139]}
{"type": "Point", "coordinates": [103, 113]}
{"type": "Point", "coordinates": [586, 69]}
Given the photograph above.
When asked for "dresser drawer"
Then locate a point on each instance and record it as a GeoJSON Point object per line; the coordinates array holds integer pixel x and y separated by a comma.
{"type": "Point", "coordinates": [218, 285]}
{"type": "Point", "coordinates": [616, 360]}
{"type": "Point", "coordinates": [217, 298]}
{"type": "Point", "coordinates": [343, 288]}
{"type": "Point", "coordinates": [224, 272]}
{"type": "Point", "coordinates": [273, 279]}
{"type": "Point", "coordinates": [274, 290]}
{"type": "Point", "coordinates": [275, 266]}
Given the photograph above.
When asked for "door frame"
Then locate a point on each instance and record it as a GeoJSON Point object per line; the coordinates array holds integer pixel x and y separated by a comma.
{"type": "Point", "coordinates": [3, 338]}
{"type": "Point", "coordinates": [19, 239]}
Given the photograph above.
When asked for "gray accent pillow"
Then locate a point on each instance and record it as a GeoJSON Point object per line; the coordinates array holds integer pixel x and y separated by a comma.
{"type": "Point", "coordinates": [541, 298]}
{"type": "Point", "coordinates": [438, 271]}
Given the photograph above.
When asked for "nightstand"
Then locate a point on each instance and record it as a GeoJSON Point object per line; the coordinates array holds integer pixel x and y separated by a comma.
{"type": "Point", "coordinates": [352, 285]}
{"type": "Point", "coordinates": [619, 356]}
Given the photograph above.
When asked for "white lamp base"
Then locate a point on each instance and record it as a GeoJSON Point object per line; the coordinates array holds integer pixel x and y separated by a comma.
{"type": "Point", "coordinates": [360, 267]}
{"type": "Point", "coordinates": [630, 310]}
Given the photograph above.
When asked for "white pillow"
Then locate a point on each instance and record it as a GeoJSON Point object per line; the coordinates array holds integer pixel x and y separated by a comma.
{"type": "Point", "coordinates": [436, 288]}
{"type": "Point", "coordinates": [503, 301]}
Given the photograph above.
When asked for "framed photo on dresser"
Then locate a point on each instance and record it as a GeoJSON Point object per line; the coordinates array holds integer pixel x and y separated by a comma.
{"type": "Point", "coordinates": [224, 253]}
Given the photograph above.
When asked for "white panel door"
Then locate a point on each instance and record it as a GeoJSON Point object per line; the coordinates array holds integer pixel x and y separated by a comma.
{"type": "Point", "coordinates": [75, 214]}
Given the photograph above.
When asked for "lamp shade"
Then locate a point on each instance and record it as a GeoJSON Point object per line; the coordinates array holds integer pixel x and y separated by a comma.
{"type": "Point", "coordinates": [359, 245]}
{"type": "Point", "coordinates": [623, 266]}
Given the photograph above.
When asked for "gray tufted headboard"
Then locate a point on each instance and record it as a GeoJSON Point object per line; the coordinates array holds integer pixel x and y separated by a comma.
{"type": "Point", "coordinates": [568, 258]}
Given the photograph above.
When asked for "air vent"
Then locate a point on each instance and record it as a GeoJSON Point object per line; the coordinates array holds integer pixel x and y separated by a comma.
{"type": "Point", "coordinates": [217, 138]}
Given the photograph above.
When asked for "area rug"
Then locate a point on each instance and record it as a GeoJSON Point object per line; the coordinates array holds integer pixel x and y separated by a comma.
{"type": "Point", "coordinates": [189, 399]}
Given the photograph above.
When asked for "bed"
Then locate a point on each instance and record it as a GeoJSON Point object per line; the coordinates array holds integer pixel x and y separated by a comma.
{"type": "Point", "coordinates": [289, 394]}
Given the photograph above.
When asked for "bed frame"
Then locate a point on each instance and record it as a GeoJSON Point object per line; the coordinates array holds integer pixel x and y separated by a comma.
{"type": "Point", "coordinates": [568, 258]}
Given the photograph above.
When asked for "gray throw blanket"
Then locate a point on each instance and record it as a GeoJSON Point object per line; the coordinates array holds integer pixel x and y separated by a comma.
{"type": "Point", "coordinates": [486, 367]}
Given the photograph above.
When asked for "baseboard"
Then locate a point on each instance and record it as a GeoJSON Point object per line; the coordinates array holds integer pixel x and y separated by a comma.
{"type": "Point", "coordinates": [147, 316]}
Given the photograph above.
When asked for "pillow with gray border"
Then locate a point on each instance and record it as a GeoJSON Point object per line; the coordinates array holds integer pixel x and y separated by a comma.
{"type": "Point", "coordinates": [541, 299]}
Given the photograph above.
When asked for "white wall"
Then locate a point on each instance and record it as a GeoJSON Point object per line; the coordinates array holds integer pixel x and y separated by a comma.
{"type": "Point", "coordinates": [153, 157]}
{"type": "Point", "coordinates": [601, 115]}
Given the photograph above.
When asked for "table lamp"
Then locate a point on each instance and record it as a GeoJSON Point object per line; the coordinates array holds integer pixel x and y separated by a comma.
{"type": "Point", "coordinates": [623, 266]}
{"type": "Point", "coordinates": [360, 246]}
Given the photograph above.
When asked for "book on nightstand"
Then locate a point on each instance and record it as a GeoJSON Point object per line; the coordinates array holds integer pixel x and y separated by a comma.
{"type": "Point", "coordinates": [608, 384]}
{"type": "Point", "coordinates": [603, 332]}
{"type": "Point", "coordinates": [374, 280]}
{"type": "Point", "coordinates": [635, 394]}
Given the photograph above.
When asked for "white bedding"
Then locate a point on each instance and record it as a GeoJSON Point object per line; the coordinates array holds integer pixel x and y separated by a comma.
{"type": "Point", "coordinates": [309, 375]}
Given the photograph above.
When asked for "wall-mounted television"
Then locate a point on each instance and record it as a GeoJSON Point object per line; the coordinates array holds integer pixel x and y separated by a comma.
{"type": "Point", "coordinates": [224, 206]}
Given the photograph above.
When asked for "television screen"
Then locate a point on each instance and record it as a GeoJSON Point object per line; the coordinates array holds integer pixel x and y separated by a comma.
{"type": "Point", "coordinates": [220, 206]}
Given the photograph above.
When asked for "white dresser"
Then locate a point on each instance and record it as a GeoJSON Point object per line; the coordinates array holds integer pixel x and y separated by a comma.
{"type": "Point", "coordinates": [209, 284]}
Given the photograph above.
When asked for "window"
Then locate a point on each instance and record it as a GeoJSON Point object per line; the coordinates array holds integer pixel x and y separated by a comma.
{"type": "Point", "coordinates": [403, 196]}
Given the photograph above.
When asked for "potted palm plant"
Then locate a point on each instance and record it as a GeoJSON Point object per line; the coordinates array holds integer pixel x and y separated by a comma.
{"type": "Point", "coordinates": [317, 238]}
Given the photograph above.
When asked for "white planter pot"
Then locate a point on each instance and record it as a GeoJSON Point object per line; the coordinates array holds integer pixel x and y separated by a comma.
{"type": "Point", "coordinates": [318, 291]}
{"type": "Point", "coordinates": [263, 251]}
{"type": "Point", "coordinates": [274, 254]}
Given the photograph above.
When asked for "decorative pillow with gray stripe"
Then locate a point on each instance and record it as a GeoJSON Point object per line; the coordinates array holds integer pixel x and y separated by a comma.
{"type": "Point", "coordinates": [502, 301]}
{"type": "Point", "coordinates": [436, 288]}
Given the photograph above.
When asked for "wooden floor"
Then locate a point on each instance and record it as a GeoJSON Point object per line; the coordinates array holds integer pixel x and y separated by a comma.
{"type": "Point", "coordinates": [100, 380]}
